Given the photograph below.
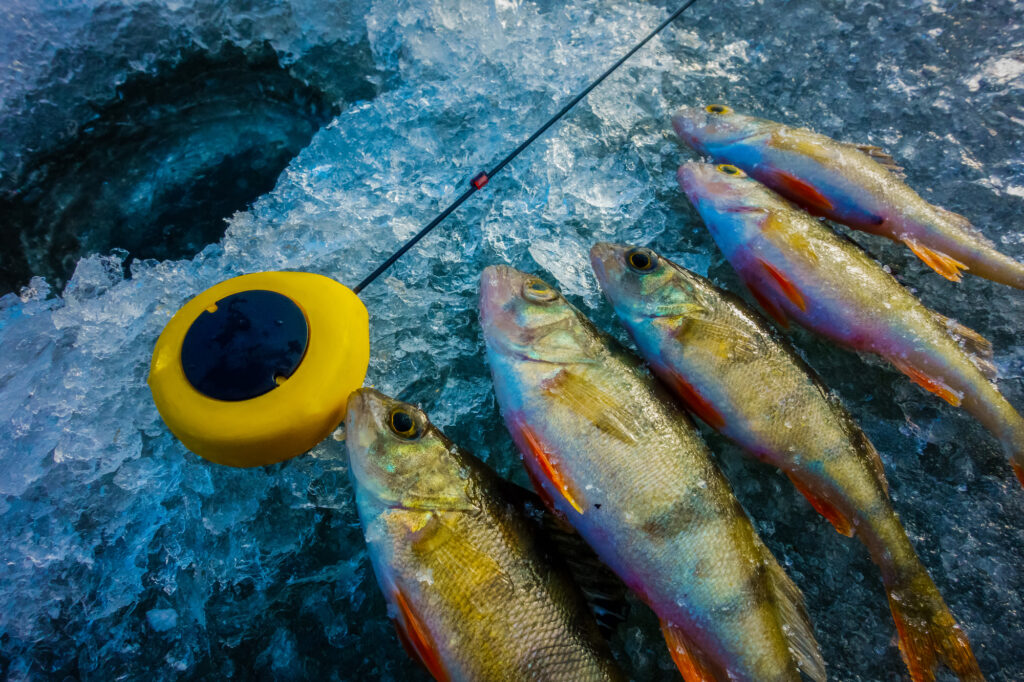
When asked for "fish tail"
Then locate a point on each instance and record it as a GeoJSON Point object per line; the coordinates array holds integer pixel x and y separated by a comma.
{"type": "Point", "coordinates": [928, 632]}
{"type": "Point", "coordinates": [1014, 446]}
{"type": "Point", "coordinates": [1008, 426]}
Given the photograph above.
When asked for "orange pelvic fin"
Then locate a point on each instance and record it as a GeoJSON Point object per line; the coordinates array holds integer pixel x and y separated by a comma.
{"type": "Point", "coordinates": [802, 193]}
{"type": "Point", "coordinates": [696, 402]}
{"type": "Point", "coordinates": [548, 469]}
{"type": "Point", "coordinates": [947, 266]}
{"type": "Point", "coordinates": [785, 285]}
{"type": "Point", "coordinates": [416, 638]}
{"type": "Point", "coordinates": [936, 386]}
{"type": "Point", "coordinates": [1019, 470]}
{"type": "Point", "coordinates": [690, 666]}
{"type": "Point", "coordinates": [825, 508]}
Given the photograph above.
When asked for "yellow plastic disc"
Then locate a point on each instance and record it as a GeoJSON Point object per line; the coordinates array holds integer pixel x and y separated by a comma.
{"type": "Point", "coordinates": [302, 409]}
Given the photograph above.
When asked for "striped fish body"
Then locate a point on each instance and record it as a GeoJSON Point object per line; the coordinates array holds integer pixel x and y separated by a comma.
{"type": "Point", "coordinates": [797, 269]}
{"type": "Point", "coordinates": [859, 186]}
{"type": "Point", "coordinates": [470, 588]}
{"type": "Point", "coordinates": [630, 473]}
{"type": "Point", "coordinates": [733, 371]}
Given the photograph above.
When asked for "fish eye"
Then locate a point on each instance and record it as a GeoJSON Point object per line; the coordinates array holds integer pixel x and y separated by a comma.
{"type": "Point", "coordinates": [729, 169]}
{"type": "Point", "coordinates": [641, 260]}
{"type": "Point", "coordinates": [539, 292]}
{"type": "Point", "coordinates": [717, 109]}
{"type": "Point", "coordinates": [403, 424]}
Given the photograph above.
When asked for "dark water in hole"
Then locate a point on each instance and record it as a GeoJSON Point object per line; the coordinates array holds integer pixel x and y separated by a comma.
{"type": "Point", "coordinates": [161, 167]}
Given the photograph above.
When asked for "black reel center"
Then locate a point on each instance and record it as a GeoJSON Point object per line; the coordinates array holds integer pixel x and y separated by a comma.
{"type": "Point", "coordinates": [246, 347]}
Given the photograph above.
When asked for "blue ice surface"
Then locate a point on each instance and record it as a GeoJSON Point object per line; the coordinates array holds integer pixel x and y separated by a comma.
{"type": "Point", "coordinates": [123, 555]}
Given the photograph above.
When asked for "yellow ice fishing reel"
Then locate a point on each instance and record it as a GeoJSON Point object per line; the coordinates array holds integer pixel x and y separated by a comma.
{"type": "Point", "coordinates": [259, 368]}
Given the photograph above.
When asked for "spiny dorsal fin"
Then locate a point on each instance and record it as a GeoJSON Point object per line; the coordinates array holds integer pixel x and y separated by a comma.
{"type": "Point", "coordinates": [882, 158]}
{"type": "Point", "coordinates": [978, 348]}
{"type": "Point", "coordinates": [796, 624]}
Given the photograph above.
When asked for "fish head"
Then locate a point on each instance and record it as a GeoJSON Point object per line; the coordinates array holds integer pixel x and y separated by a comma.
{"type": "Point", "coordinates": [641, 285]}
{"type": "Point", "coordinates": [524, 317]}
{"type": "Point", "coordinates": [715, 126]}
{"type": "Point", "coordinates": [399, 459]}
{"type": "Point", "coordinates": [732, 204]}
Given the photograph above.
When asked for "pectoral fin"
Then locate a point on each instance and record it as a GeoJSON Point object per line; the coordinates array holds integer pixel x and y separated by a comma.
{"type": "Point", "coordinates": [825, 508]}
{"type": "Point", "coordinates": [801, 192]}
{"type": "Point", "coordinates": [947, 266]}
{"type": "Point", "coordinates": [593, 403]}
{"type": "Point", "coordinates": [416, 638]}
{"type": "Point", "coordinates": [936, 386]}
{"type": "Point", "coordinates": [730, 342]}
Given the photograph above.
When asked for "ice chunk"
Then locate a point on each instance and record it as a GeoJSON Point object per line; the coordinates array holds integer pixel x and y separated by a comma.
{"type": "Point", "coordinates": [162, 620]}
{"type": "Point", "coordinates": [106, 519]}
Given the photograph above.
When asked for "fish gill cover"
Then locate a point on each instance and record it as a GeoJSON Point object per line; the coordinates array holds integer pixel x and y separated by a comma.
{"type": "Point", "coordinates": [124, 555]}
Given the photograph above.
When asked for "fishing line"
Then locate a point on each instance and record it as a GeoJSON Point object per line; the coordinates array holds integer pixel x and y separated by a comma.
{"type": "Point", "coordinates": [481, 179]}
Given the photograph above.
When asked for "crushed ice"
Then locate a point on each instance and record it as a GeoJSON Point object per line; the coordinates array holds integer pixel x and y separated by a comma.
{"type": "Point", "coordinates": [125, 555]}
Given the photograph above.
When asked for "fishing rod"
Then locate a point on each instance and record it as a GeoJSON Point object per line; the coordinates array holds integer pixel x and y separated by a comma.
{"type": "Point", "coordinates": [258, 368]}
{"type": "Point", "coordinates": [481, 179]}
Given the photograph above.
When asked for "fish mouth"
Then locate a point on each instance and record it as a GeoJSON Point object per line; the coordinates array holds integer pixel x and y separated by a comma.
{"type": "Point", "coordinates": [500, 285]}
{"type": "Point", "coordinates": [601, 255]}
{"type": "Point", "coordinates": [360, 400]}
{"type": "Point", "coordinates": [496, 287]}
{"type": "Point", "coordinates": [359, 427]}
{"type": "Point", "coordinates": [687, 178]}
{"type": "Point", "coordinates": [687, 122]}
{"type": "Point", "coordinates": [361, 442]}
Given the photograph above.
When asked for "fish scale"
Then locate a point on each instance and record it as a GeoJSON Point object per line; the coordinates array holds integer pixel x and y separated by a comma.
{"type": "Point", "coordinates": [836, 290]}
{"type": "Point", "coordinates": [858, 185]}
{"type": "Point", "coordinates": [655, 508]}
{"type": "Point", "coordinates": [472, 590]}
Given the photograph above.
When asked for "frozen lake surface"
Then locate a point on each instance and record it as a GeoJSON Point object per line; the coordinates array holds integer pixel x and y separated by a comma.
{"type": "Point", "coordinates": [123, 555]}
